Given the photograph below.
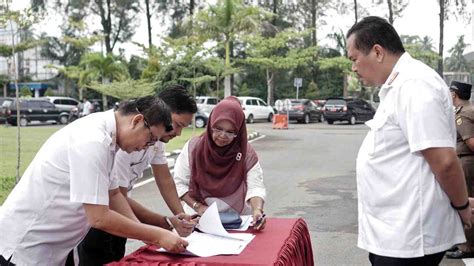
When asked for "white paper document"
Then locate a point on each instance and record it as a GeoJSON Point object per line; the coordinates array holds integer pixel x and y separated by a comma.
{"type": "Point", "coordinates": [214, 239]}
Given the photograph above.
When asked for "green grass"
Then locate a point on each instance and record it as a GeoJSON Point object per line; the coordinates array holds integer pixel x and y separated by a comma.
{"type": "Point", "coordinates": [32, 138]}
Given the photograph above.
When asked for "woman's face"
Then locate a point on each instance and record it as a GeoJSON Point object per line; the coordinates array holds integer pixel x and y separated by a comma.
{"type": "Point", "coordinates": [223, 133]}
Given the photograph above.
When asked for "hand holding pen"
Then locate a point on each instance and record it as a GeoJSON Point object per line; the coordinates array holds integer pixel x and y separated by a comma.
{"type": "Point", "coordinates": [259, 224]}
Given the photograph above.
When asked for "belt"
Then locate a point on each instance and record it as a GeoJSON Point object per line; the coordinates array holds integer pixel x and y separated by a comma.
{"type": "Point", "coordinates": [464, 155]}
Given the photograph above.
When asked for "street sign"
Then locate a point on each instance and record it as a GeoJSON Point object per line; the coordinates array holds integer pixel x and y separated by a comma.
{"type": "Point", "coordinates": [298, 82]}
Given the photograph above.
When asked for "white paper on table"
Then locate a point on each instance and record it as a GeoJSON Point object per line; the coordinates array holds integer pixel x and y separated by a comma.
{"type": "Point", "coordinates": [214, 240]}
{"type": "Point", "coordinates": [246, 221]}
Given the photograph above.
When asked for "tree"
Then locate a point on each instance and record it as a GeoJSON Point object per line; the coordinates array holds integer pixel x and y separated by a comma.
{"type": "Point", "coordinates": [224, 22]}
{"type": "Point", "coordinates": [124, 90]}
{"type": "Point", "coordinates": [104, 69]}
{"type": "Point", "coordinates": [395, 8]}
{"type": "Point", "coordinates": [444, 8]}
{"type": "Point", "coordinates": [277, 53]}
{"type": "Point", "coordinates": [16, 21]}
{"type": "Point", "coordinates": [456, 61]}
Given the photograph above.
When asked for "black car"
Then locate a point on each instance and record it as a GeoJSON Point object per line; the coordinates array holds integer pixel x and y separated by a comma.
{"type": "Point", "coordinates": [33, 110]}
{"type": "Point", "coordinates": [351, 110]}
{"type": "Point", "coordinates": [201, 119]}
{"type": "Point", "coordinates": [303, 111]}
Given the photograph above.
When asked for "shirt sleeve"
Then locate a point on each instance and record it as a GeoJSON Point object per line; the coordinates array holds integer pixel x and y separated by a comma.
{"type": "Point", "coordinates": [425, 115]}
{"type": "Point", "coordinates": [466, 129]}
{"type": "Point", "coordinates": [122, 170]}
{"type": "Point", "coordinates": [182, 172]}
{"type": "Point", "coordinates": [89, 165]}
{"type": "Point", "coordinates": [255, 186]}
{"type": "Point", "coordinates": [159, 154]}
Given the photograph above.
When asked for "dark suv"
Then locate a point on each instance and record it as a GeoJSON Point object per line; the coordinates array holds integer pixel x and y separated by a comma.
{"type": "Point", "coordinates": [33, 110]}
{"type": "Point", "coordinates": [351, 110]}
{"type": "Point", "coordinates": [303, 111]}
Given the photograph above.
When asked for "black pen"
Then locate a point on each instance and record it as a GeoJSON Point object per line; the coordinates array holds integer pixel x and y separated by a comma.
{"type": "Point", "coordinates": [259, 220]}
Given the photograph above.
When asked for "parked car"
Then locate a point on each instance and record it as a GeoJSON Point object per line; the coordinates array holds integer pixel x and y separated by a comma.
{"type": "Point", "coordinates": [351, 110]}
{"type": "Point", "coordinates": [34, 109]}
{"type": "Point", "coordinates": [63, 103]}
{"type": "Point", "coordinates": [206, 103]}
{"type": "Point", "coordinates": [3, 109]}
{"type": "Point", "coordinates": [256, 109]}
{"type": "Point", "coordinates": [201, 118]}
{"type": "Point", "coordinates": [303, 111]}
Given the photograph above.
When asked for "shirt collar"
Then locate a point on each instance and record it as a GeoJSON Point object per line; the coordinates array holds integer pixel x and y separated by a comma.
{"type": "Point", "coordinates": [404, 58]}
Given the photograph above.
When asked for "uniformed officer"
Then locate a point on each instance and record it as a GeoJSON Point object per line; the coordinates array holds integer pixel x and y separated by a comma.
{"type": "Point", "coordinates": [461, 92]}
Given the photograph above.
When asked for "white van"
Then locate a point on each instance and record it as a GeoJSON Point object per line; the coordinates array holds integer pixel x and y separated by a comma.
{"type": "Point", "coordinates": [206, 103]}
{"type": "Point", "coordinates": [256, 109]}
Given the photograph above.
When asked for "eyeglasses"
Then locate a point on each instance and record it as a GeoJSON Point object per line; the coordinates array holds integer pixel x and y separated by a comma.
{"type": "Point", "coordinates": [229, 135]}
{"type": "Point", "coordinates": [152, 140]}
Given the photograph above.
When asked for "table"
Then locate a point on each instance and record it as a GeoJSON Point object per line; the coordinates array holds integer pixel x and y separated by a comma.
{"type": "Point", "coordinates": [283, 242]}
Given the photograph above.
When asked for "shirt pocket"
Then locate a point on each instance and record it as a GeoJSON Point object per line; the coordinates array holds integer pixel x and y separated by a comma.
{"type": "Point", "coordinates": [376, 138]}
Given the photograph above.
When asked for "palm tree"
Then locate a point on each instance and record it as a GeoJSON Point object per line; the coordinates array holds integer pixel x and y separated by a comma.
{"type": "Point", "coordinates": [457, 62]}
{"type": "Point", "coordinates": [102, 68]}
{"type": "Point", "coordinates": [226, 20]}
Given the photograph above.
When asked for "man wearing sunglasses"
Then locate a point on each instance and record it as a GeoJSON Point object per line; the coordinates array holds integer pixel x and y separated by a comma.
{"type": "Point", "coordinates": [99, 247]}
{"type": "Point", "coordinates": [68, 187]}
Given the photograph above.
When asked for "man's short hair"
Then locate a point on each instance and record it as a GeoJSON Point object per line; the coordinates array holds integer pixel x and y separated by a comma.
{"type": "Point", "coordinates": [155, 110]}
{"type": "Point", "coordinates": [178, 99]}
{"type": "Point", "coordinates": [374, 30]}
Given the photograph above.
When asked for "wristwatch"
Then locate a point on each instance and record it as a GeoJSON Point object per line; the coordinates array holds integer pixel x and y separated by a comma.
{"type": "Point", "coordinates": [168, 221]}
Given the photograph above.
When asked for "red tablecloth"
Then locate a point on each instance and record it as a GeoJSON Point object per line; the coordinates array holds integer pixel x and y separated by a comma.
{"type": "Point", "coordinates": [282, 242]}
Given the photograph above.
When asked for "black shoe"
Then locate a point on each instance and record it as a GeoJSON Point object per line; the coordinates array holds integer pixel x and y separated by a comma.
{"type": "Point", "coordinates": [458, 254]}
{"type": "Point", "coordinates": [453, 248]}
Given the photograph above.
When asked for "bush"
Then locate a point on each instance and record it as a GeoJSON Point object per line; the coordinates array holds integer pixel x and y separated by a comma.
{"type": "Point", "coordinates": [25, 92]}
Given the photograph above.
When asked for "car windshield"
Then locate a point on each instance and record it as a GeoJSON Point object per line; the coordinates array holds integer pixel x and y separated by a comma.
{"type": "Point", "coordinates": [200, 100]}
{"type": "Point", "coordinates": [296, 102]}
{"type": "Point", "coordinates": [7, 103]}
{"type": "Point", "coordinates": [336, 102]}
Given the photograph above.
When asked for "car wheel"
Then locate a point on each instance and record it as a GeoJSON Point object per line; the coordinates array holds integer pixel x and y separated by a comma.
{"type": "Point", "coordinates": [64, 119]}
{"type": "Point", "coordinates": [352, 120]}
{"type": "Point", "coordinates": [306, 119]}
{"type": "Point", "coordinates": [330, 121]}
{"type": "Point", "coordinates": [250, 119]}
{"type": "Point", "coordinates": [23, 122]}
{"type": "Point", "coordinates": [270, 117]}
{"type": "Point", "coordinates": [200, 123]}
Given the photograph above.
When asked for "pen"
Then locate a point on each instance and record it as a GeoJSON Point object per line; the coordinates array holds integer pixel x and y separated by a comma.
{"type": "Point", "coordinates": [259, 220]}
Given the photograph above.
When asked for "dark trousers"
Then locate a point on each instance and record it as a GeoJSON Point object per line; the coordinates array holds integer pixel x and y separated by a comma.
{"type": "Point", "coordinates": [427, 260]}
{"type": "Point", "coordinates": [467, 163]}
{"type": "Point", "coordinates": [5, 262]}
{"type": "Point", "coordinates": [99, 248]}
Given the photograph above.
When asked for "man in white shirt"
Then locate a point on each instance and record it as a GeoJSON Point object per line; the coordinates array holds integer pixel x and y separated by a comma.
{"type": "Point", "coordinates": [99, 247]}
{"type": "Point", "coordinates": [411, 189]}
{"type": "Point", "coordinates": [87, 107]}
{"type": "Point", "coordinates": [67, 188]}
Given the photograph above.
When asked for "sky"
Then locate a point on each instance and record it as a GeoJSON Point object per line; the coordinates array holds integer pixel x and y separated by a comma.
{"type": "Point", "coordinates": [419, 18]}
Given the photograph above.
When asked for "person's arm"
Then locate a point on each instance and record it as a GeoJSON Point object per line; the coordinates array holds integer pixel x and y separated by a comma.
{"type": "Point", "coordinates": [102, 218]}
{"type": "Point", "coordinates": [182, 222]}
{"type": "Point", "coordinates": [167, 187]}
{"type": "Point", "coordinates": [448, 171]}
{"type": "Point", "coordinates": [197, 206]}
{"type": "Point", "coordinates": [118, 203]}
{"type": "Point", "coordinates": [470, 143]}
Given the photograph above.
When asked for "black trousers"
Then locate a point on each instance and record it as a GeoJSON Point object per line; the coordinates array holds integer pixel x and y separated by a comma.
{"type": "Point", "coordinates": [99, 248]}
{"type": "Point", "coordinates": [427, 260]}
{"type": "Point", "coordinates": [5, 262]}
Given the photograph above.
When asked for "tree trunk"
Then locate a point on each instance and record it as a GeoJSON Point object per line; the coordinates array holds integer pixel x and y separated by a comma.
{"type": "Point", "coordinates": [313, 23]}
{"type": "Point", "coordinates": [227, 81]}
{"type": "Point", "coordinates": [355, 11]}
{"type": "Point", "coordinates": [441, 35]}
{"type": "Point", "coordinates": [5, 93]}
{"type": "Point", "coordinates": [270, 86]}
{"type": "Point", "coordinates": [104, 97]}
{"type": "Point", "coordinates": [217, 86]}
{"type": "Point", "coordinates": [148, 20]}
{"type": "Point", "coordinates": [390, 11]}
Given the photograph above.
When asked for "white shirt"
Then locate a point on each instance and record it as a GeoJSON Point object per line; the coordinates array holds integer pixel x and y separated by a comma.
{"type": "Point", "coordinates": [403, 211]}
{"type": "Point", "coordinates": [128, 167]}
{"type": "Point", "coordinates": [86, 108]}
{"type": "Point", "coordinates": [43, 218]}
{"type": "Point", "coordinates": [182, 176]}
